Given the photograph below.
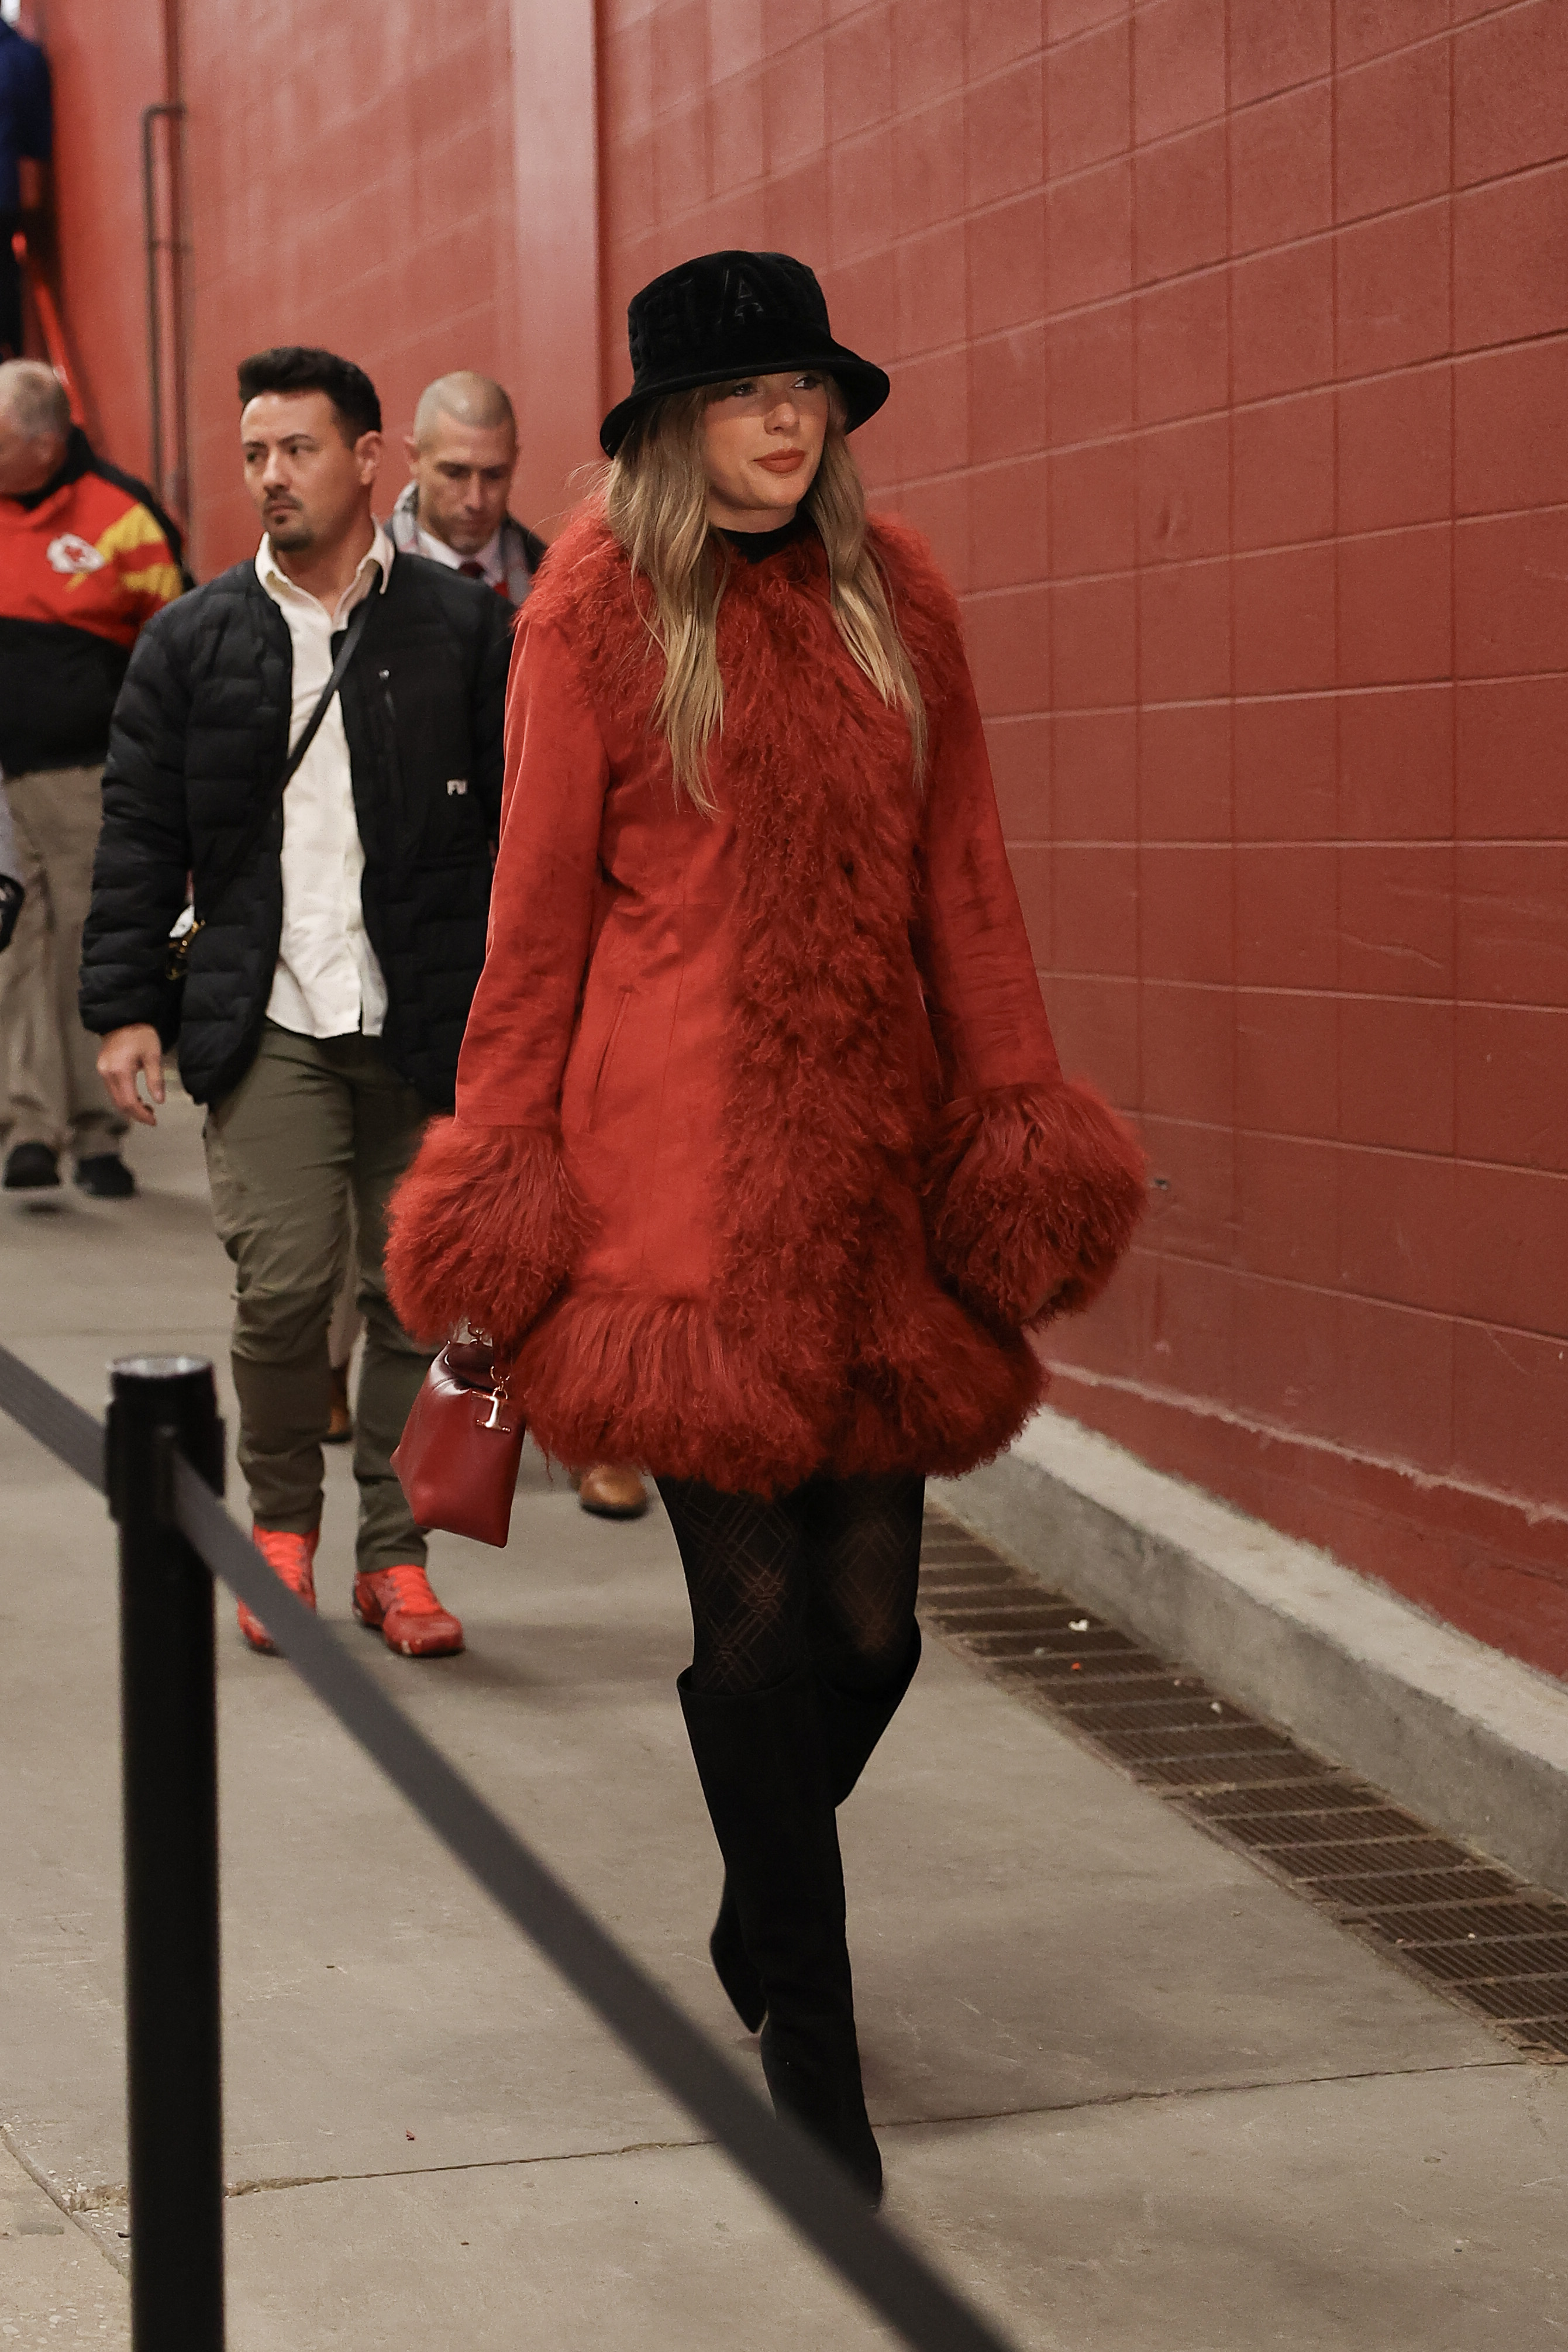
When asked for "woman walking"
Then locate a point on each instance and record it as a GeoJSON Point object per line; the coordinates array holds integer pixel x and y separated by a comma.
{"type": "Point", "coordinates": [763, 1160]}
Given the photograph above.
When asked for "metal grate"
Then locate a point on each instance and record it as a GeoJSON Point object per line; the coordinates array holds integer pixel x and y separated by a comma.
{"type": "Point", "coordinates": [1202, 1744]}
{"type": "Point", "coordinates": [1132, 1713]}
{"type": "Point", "coordinates": [1469, 1927]}
{"type": "Point", "coordinates": [1368, 1891]}
{"type": "Point", "coordinates": [1208, 1774]}
{"type": "Point", "coordinates": [1282, 1835]}
{"type": "Point", "coordinates": [1327, 1794]}
{"type": "Point", "coordinates": [1381, 1859]}
{"type": "Point", "coordinates": [1534, 2001]}
{"type": "Point", "coordinates": [1017, 1634]}
{"type": "Point", "coordinates": [1520, 1955]}
{"type": "Point", "coordinates": [1444, 1923]}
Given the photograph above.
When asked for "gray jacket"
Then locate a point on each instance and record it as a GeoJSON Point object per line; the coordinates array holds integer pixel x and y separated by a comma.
{"type": "Point", "coordinates": [522, 550]}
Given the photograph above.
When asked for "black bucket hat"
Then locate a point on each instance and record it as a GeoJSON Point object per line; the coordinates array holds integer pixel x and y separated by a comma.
{"type": "Point", "coordinates": [733, 314]}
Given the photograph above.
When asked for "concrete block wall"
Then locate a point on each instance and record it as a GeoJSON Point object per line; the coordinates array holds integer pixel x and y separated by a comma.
{"type": "Point", "coordinates": [349, 183]}
{"type": "Point", "coordinates": [1228, 342]}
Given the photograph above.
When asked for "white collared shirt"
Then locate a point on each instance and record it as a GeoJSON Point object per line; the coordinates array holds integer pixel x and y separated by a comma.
{"type": "Point", "coordinates": [328, 983]}
{"type": "Point", "coordinates": [488, 558]}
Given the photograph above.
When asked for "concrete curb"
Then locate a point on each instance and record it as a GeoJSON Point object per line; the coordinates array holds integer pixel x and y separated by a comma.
{"type": "Point", "coordinates": [1469, 1739]}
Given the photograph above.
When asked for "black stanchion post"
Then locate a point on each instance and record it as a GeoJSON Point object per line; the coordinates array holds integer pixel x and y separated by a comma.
{"type": "Point", "coordinates": [160, 1405]}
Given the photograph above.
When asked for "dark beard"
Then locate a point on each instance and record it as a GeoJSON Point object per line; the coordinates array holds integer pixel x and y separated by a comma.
{"type": "Point", "coordinates": [290, 533]}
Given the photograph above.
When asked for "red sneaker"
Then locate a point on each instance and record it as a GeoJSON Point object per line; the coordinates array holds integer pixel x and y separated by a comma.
{"type": "Point", "coordinates": [412, 1621]}
{"type": "Point", "coordinates": [292, 1560]}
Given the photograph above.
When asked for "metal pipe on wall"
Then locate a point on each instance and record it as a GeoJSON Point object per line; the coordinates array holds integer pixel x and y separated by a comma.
{"type": "Point", "coordinates": [168, 336]}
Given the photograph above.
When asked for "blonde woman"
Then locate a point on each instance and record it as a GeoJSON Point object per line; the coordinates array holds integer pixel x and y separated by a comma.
{"type": "Point", "coordinates": [763, 1161]}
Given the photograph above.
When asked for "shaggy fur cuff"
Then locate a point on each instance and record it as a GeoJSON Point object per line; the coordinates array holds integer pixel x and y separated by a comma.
{"type": "Point", "coordinates": [1031, 1195]}
{"type": "Point", "coordinates": [483, 1228]}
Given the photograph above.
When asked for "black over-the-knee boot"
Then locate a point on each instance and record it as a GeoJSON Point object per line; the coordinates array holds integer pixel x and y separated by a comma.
{"type": "Point", "coordinates": [762, 1759]}
{"type": "Point", "coordinates": [852, 1722]}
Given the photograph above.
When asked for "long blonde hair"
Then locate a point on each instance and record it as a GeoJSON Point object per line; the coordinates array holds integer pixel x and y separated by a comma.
{"type": "Point", "coordinates": [655, 502]}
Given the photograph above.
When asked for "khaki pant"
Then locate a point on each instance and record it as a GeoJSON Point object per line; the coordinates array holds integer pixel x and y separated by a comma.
{"type": "Point", "coordinates": [55, 1094]}
{"type": "Point", "coordinates": [301, 1156]}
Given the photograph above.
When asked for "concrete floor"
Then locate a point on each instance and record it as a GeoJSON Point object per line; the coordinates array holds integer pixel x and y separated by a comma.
{"type": "Point", "coordinates": [1136, 2096]}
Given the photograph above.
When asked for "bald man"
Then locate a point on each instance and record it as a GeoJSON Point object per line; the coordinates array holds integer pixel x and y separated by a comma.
{"type": "Point", "coordinates": [462, 455]}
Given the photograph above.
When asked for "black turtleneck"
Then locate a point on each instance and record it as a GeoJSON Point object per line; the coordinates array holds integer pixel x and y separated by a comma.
{"type": "Point", "coordinates": [756, 546]}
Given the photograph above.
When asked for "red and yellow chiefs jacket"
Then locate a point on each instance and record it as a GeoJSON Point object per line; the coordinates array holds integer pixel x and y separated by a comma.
{"type": "Point", "coordinates": [84, 563]}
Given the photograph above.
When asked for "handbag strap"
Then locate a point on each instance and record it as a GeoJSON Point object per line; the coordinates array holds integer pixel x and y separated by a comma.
{"type": "Point", "coordinates": [251, 838]}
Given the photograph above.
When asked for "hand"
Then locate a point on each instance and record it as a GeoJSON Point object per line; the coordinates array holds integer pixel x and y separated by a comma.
{"type": "Point", "coordinates": [11, 896]}
{"type": "Point", "coordinates": [125, 1056]}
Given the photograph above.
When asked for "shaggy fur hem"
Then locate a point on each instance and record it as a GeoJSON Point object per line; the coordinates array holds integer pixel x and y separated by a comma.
{"type": "Point", "coordinates": [483, 1229]}
{"type": "Point", "coordinates": [1031, 1196]}
{"type": "Point", "coordinates": [620, 1377]}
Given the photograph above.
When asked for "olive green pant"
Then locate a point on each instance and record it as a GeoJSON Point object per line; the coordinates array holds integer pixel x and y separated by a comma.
{"type": "Point", "coordinates": [302, 1158]}
{"type": "Point", "coordinates": [55, 1094]}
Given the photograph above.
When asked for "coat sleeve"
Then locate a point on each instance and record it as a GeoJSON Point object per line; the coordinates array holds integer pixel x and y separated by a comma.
{"type": "Point", "coordinates": [143, 858]}
{"type": "Point", "coordinates": [1035, 1184]}
{"type": "Point", "coordinates": [485, 1226]}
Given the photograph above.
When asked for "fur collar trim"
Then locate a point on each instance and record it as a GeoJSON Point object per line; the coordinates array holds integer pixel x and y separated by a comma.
{"type": "Point", "coordinates": [585, 588]}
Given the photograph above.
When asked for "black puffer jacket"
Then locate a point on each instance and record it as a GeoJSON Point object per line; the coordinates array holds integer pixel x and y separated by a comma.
{"type": "Point", "coordinates": [199, 737]}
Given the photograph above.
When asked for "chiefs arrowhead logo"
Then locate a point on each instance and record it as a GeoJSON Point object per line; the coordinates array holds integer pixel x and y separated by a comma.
{"type": "Point", "coordinates": [69, 554]}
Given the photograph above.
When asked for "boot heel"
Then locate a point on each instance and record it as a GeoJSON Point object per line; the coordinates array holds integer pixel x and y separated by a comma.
{"type": "Point", "coordinates": [819, 2085]}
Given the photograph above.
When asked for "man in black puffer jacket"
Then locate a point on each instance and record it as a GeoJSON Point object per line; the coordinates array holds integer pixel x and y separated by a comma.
{"type": "Point", "coordinates": [330, 975]}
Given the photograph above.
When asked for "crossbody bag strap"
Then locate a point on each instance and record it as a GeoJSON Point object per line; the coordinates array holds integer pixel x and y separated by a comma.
{"type": "Point", "coordinates": [264, 816]}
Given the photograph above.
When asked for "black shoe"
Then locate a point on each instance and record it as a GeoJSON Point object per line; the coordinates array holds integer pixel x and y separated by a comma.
{"type": "Point", "coordinates": [762, 1761]}
{"type": "Point", "coordinates": [31, 1168]}
{"type": "Point", "coordinates": [852, 1723]}
{"type": "Point", "coordinates": [106, 1177]}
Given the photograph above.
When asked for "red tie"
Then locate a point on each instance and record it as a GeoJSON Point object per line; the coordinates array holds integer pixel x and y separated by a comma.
{"type": "Point", "coordinates": [471, 570]}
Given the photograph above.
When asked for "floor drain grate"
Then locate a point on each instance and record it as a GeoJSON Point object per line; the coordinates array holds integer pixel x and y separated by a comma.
{"type": "Point", "coordinates": [1368, 1892]}
{"type": "Point", "coordinates": [1459, 1920]}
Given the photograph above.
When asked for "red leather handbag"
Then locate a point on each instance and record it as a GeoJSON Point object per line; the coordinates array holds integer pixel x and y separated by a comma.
{"type": "Point", "coordinates": [457, 1459]}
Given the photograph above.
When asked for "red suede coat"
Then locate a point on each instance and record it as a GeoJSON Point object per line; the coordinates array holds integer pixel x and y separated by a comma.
{"type": "Point", "coordinates": [762, 1156]}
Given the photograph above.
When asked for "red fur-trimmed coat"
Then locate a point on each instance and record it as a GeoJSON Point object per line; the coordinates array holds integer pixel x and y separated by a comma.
{"type": "Point", "coordinates": [762, 1156]}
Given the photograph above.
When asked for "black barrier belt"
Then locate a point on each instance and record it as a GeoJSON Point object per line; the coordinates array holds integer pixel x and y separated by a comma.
{"type": "Point", "coordinates": [71, 1436]}
{"type": "Point", "coordinates": [808, 2187]}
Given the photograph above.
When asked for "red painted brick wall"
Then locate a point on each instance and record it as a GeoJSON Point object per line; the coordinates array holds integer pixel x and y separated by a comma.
{"type": "Point", "coordinates": [352, 182]}
{"type": "Point", "coordinates": [1229, 341]}
{"type": "Point", "coordinates": [350, 176]}
{"type": "Point", "coordinates": [1231, 385]}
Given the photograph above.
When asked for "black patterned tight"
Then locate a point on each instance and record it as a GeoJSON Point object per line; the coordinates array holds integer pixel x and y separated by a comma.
{"type": "Point", "coordinates": [827, 1572]}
